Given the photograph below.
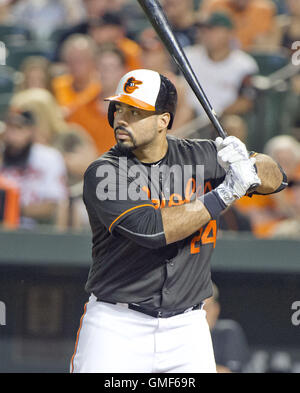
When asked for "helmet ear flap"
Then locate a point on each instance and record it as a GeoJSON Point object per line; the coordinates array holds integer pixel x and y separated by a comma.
{"type": "Point", "coordinates": [167, 99]}
{"type": "Point", "coordinates": [111, 113]}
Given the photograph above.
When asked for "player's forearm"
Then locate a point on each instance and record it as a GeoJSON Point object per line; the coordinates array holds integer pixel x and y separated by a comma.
{"type": "Point", "coordinates": [269, 173]}
{"type": "Point", "coordinates": [180, 222]}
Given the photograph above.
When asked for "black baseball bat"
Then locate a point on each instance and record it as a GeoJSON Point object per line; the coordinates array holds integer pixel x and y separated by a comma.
{"type": "Point", "coordinates": [159, 21]}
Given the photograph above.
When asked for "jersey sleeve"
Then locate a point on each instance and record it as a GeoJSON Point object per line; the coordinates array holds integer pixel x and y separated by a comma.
{"type": "Point", "coordinates": [122, 206]}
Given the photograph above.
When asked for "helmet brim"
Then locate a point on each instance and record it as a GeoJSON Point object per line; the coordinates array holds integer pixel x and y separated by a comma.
{"type": "Point", "coordinates": [136, 103]}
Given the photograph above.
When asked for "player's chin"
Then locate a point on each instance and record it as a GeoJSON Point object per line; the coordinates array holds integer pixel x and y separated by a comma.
{"type": "Point", "coordinates": [125, 146]}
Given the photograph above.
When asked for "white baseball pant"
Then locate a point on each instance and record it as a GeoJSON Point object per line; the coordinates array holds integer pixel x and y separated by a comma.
{"type": "Point", "coordinates": [115, 339]}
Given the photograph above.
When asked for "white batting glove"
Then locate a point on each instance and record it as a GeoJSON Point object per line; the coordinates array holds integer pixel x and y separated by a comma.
{"type": "Point", "coordinates": [239, 178]}
{"type": "Point", "coordinates": [230, 150]}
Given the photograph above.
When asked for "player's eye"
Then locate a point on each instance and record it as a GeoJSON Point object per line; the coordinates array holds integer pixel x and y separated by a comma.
{"type": "Point", "coordinates": [135, 112]}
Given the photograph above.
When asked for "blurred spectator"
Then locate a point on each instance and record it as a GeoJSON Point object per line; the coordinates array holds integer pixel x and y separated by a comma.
{"type": "Point", "coordinates": [154, 54]}
{"type": "Point", "coordinates": [280, 363]}
{"type": "Point", "coordinates": [224, 73]}
{"type": "Point", "coordinates": [35, 73]}
{"type": "Point", "coordinates": [288, 37]}
{"type": "Point", "coordinates": [95, 8]}
{"type": "Point", "coordinates": [111, 65]}
{"type": "Point", "coordinates": [80, 87]}
{"type": "Point", "coordinates": [116, 5]}
{"type": "Point", "coordinates": [289, 25]}
{"type": "Point", "coordinates": [41, 16]}
{"type": "Point", "coordinates": [155, 57]}
{"type": "Point", "coordinates": [75, 11]}
{"type": "Point", "coordinates": [181, 15]}
{"type": "Point", "coordinates": [49, 121]}
{"type": "Point", "coordinates": [235, 126]}
{"type": "Point", "coordinates": [229, 340]}
{"type": "Point", "coordinates": [92, 116]}
{"type": "Point", "coordinates": [286, 151]}
{"type": "Point", "coordinates": [109, 29]}
{"type": "Point", "coordinates": [38, 170]}
{"type": "Point", "coordinates": [5, 11]}
{"type": "Point", "coordinates": [133, 18]}
{"type": "Point", "coordinates": [267, 212]}
{"type": "Point", "coordinates": [233, 220]}
{"type": "Point", "coordinates": [254, 20]}
{"type": "Point", "coordinates": [78, 151]}
{"type": "Point", "coordinates": [78, 54]}
{"type": "Point", "coordinates": [92, 9]}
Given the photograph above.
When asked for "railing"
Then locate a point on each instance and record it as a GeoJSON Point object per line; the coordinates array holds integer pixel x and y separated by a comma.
{"type": "Point", "coordinates": [46, 248]}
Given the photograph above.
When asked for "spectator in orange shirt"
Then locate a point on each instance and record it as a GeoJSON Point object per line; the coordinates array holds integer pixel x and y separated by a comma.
{"type": "Point", "coordinates": [93, 117]}
{"type": "Point", "coordinates": [109, 29]}
{"type": "Point", "coordinates": [254, 20]}
{"type": "Point", "coordinates": [79, 89]}
{"type": "Point", "coordinates": [111, 65]}
{"type": "Point", "coordinates": [80, 85]}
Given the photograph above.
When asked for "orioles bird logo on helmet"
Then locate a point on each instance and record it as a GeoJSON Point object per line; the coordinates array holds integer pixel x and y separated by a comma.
{"type": "Point", "coordinates": [131, 85]}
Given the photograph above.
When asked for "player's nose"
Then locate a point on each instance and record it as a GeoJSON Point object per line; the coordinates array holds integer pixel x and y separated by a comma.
{"type": "Point", "coordinates": [120, 122]}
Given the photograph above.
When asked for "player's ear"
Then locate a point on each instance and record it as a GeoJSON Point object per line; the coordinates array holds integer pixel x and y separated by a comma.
{"type": "Point", "coordinates": [163, 121]}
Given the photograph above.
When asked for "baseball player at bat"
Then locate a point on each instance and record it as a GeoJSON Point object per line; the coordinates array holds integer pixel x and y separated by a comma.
{"type": "Point", "coordinates": [154, 203]}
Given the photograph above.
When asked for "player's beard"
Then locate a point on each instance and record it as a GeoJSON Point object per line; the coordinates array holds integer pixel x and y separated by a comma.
{"type": "Point", "coordinates": [123, 145]}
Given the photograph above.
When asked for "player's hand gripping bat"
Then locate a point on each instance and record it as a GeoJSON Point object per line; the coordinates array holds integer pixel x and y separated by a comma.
{"type": "Point", "coordinates": [157, 18]}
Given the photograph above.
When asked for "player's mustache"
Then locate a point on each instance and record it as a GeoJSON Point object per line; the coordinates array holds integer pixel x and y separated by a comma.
{"type": "Point", "coordinates": [121, 128]}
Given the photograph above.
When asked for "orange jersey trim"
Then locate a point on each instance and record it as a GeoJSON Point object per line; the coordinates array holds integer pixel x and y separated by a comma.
{"type": "Point", "coordinates": [127, 211]}
{"type": "Point", "coordinates": [77, 338]}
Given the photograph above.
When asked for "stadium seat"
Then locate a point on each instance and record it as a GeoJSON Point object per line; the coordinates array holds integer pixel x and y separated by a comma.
{"type": "Point", "coordinates": [4, 104]}
{"type": "Point", "coordinates": [281, 6]}
{"type": "Point", "coordinates": [270, 62]}
{"type": "Point", "coordinates": [7, 79]}
{"type": "Point", "coordinates": [16, 54]}
{"type": "Point", "coordinates": [197, 4]}
{"type": "Point", "coordinates": [14, 35]}
{"type": "Point", "coordinates": [58, 34]}
{"type": "Point", "coordinates": [267, 119]}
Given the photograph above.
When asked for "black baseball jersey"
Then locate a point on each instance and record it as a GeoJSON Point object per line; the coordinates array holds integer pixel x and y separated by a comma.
{"type": "Point", "coordinates": [124, 198]}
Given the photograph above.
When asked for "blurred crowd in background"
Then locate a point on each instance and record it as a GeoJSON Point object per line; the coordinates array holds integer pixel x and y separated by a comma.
{"type": "Point", "coordinates": [60, 58]}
